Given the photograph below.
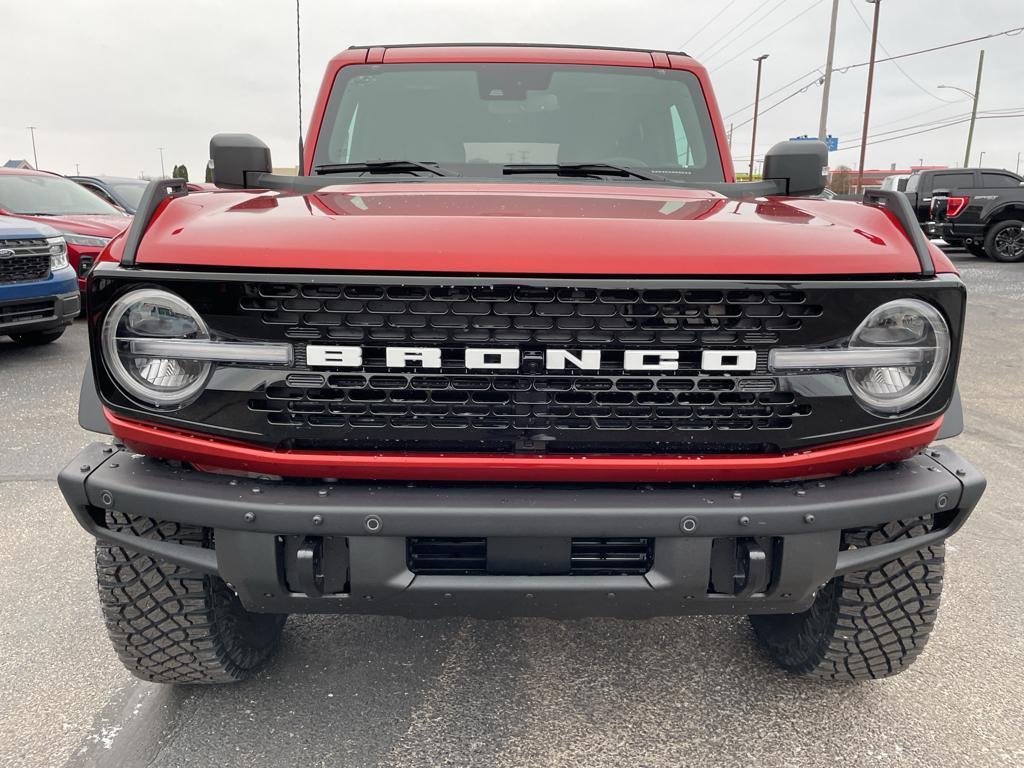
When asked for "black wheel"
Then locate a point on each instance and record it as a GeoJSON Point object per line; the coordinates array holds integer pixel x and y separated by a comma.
{"type": "Point", "coordinates": [976, 249]}
{"type": "Point", "coordinates": [1005, 241]}
{"type": "Point", "coordinates": [169, 624]}
{"type": "Point", "coordinates": [37, 338]}
{"type": "Point", "coordinates": [866, 624]}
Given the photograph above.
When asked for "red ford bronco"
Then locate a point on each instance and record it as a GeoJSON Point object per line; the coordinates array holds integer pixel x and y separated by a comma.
{"type": "Point", "coordinates": [516, 342]}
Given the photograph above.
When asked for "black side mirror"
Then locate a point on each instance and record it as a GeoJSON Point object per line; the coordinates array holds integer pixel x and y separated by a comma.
{"type": "Point", "coordinates": [237, 158]}
{"type": "Point", "coordinates": [802, 166]}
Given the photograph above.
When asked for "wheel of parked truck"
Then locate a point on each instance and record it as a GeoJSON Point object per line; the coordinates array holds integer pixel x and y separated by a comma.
{"type": "Point", "coordinates": [976, 249]}
{"type": "Point", "coordinates": [1005, 241]}
{"type": "Point", "coordinates": [170, 624]}
{"type": "Point", "coordinates": [37, 338]}
{"type": "Point", "coordinates": [867, 624]}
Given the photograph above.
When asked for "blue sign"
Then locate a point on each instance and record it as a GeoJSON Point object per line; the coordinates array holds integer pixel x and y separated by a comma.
{"type": "Point", "coordinates": [832, 142]}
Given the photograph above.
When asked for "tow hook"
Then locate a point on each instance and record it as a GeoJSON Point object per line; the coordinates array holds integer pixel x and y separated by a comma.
{"type": "Point", "coordinates": [309, 566]}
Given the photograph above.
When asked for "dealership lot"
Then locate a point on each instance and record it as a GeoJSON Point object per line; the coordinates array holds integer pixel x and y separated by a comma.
{"type": "Point", "coordinates": [387, 691]}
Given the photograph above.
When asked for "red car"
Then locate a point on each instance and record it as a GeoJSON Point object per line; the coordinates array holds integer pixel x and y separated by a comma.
{"type": "Point", "coordinates": [517, 343]}
{"type": "Point", "coordinates": [86, 221]}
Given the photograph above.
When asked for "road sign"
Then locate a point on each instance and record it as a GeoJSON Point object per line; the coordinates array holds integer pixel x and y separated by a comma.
{"type": "Point", "coordinates": [832, 142]}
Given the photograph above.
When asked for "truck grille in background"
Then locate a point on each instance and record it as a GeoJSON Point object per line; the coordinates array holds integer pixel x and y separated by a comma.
{"type": "Point", "coordinates": [589, 557]}
{"type": "Point", "coordinates": [27, 311]}
{"type": "Point", "coordinates": [31, 260]}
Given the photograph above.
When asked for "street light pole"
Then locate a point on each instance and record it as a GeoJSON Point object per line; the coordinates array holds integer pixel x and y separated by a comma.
{"type": "Point", "coordinates": [757, 99]}
{"type": "Point", "coordinates": [162, 172]}
{"type": "Point", "coordinates": [827, 82]}
{"type": "Point", "coordinates": [1018, 164]}
{"type": "Point", "coordinates": [35, 158]}
{"type": "Point", "coordinates": [981, 158]}
{"type": "Point", "coordinates": [867, 98]}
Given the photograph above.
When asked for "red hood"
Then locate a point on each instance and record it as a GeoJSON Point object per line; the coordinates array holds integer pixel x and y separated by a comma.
{"type": "Point", "coordinates": [97, 225]}
{"type": "Point", "coordinates": [524, 228]}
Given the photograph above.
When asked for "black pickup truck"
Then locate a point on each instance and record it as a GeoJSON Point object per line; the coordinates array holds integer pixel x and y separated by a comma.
{"type": "Point", "coordinates": [922, 187]}
{"type": "Point", "coordinates": [989, 221]}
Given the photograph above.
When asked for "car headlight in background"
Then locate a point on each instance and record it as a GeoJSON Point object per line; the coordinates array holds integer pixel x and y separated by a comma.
{"type": "Point", "coordinates": [86, 241]}
{"type": "Point", "coordinates": [159, 349]}
{"type": "Point", "coordinates": [893, 362]}
{"type": "Point", "coordinates": [58, 249]}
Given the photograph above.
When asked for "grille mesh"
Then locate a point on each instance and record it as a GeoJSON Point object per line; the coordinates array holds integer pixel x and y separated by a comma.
{"type": "Point", "coordinates": [31, 260]}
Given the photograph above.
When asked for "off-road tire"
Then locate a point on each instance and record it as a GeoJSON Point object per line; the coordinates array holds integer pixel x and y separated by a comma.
{"type": "Point", "coordinates": [170, 624]}
{"type": "Point", "coordinates": [1005, 241]}
{"type": "Point", "coordinates": [867, 624]}
{"type": "Point", "coordinates": [37, 338]}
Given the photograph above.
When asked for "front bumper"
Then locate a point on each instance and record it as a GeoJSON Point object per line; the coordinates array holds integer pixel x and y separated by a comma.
{"type": "Point", "coordinates": [271, 536]}
{"type": "Point", "coordinates": [43, 313]}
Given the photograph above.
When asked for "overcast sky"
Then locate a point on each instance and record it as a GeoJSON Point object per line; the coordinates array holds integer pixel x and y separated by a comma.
{"type": "Point", "coordinates": [109, 81]}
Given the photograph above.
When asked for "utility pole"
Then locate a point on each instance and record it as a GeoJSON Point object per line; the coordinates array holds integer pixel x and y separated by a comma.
{"type": "Point", "coordinates": [827, 84]}
{"type": "Point", "coordinates": [867, 98]}
{"type": "Point", "coordinates": [35, 158]}
{"type": "Point", "coordinates": [1018, 164]}
{"type": "Point", "coordinates": [77, 171]}
{"type": "Point", "coordinates": [162, 172]}
{"type": "Point", "coordinates": [730, 136]}
{"type": "Point", "coordinates": [757, 99]}
{"type": "Point", "coordinates": [974, 110]}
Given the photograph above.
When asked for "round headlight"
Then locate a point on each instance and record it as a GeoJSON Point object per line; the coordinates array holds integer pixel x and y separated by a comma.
{"type": "Point", "coordinates": [908, 328]}
{"type": "Point", "coordinates": [153, 314]}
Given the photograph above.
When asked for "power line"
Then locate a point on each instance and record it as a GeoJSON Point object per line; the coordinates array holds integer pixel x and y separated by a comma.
{"type": "Point", "coordinates": [903, 72]}
{"type": "Point", "coordinates": [843, 70]}
{"type": "Point", "coordinates": [779, 28]}
{"type": "Point", "coordinates": [736, 33]}
{"type": "Point", "coordinates": [934, 128]}
{"type": "Point", "coordinates": [708, 23]}
{"type": "Point", "coordinates": [780, 88]}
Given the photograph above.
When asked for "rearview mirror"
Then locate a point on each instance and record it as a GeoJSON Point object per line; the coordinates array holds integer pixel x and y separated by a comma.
{"type": "Point", "coordinates": [237, 157]}
{"type": "Point", "coordinates": [802, 166]}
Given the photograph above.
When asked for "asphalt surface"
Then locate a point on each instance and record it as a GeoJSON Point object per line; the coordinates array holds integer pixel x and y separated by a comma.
{"type": "Point", "coordinates": [350, 691]}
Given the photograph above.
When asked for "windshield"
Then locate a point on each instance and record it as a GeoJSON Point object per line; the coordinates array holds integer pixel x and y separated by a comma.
{"type": "Point", "coordinates": [48, 196]}
{"type": "Point", "coordinates": [476, 119]}
{"type": "Point", "coordinates": [129, 191]}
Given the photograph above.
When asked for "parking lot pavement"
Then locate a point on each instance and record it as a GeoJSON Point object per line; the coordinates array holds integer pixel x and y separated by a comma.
{"type": "Point", "coordinates": [392, 692]}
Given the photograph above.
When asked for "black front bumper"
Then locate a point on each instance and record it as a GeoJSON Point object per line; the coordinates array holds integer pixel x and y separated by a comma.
{"type": "Point", "coordinates": [278, 543]}
{"type": "Point", "coordinates": [46, 313]}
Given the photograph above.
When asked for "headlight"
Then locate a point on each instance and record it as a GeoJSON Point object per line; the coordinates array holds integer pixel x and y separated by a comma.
{"type": "Point", "coordinates": [86, 240]}
{"type": "Point", "coordinates": [58, 252]}
{"type": "Point", "coordinates": [907, 331]}
{"type": "Point", "coordinates": [151, 314]}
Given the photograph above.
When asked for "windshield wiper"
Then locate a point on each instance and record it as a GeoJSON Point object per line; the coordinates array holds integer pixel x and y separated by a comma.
{"type": "Point", "coordinates": [382, 166]}
{"type": "Point", "coordinates": [580, 169]}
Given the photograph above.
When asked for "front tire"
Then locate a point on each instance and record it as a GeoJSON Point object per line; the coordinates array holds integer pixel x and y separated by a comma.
{"type": "Point", "coordinates": [37, 338]}
{"type": "Point", "coordinates": [1005, 241]}
{"type": "Point", "coordinates": [170, 624]}
{"type": "Point", "coordinates": [867, 624]}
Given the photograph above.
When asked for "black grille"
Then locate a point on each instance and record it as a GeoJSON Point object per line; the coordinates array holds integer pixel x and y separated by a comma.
{"type": "Point", "coordinates": [589, 557]}
{"type": "Point", "coordinates": [27, 311]}
{"type": "Point", "coordinates": [31, 260]}
{"type": "Point", "coordinates": [364, 314]}
{"type": "Point", "coordinates": [447, 557]}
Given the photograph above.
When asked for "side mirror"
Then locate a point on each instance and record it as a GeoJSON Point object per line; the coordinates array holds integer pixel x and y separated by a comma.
{"type": "Point", "coordinates": [237, 157]}
{"type": "Point", "coordinates": [802, 166]}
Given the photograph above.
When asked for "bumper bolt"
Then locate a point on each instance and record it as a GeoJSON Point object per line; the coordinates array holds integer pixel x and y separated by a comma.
{"type": "Point", "coordinates": [737, 495]}
{"type": "Point", "coordinates": [322, 492]}
{"type": "Point", "coordinates": [961, 472]}
{"type": "Point", "coordinates": [107, 499]}
{"type": "Point", "coordinates": [808, 518]}
{"type": "Point", "coordinates": [744, 520]}
{"type": "Point", "coordinates": [85, 468]}
{"type": "Point", "coordinates": [318, 519]}
{"type": "Point", "coordinates": [688, 524]}
{"type": "Point", "coordinates": [232, 482]}
{"type": "Point", "coordinates": [108, 449]}
{"type": "Point", "coordinates": [249, 517]}
{"type": "Point", "coordinates": [257, 490]}
{"type": "Point", "coordinates": [942, 502]}
{"type": "Point", "coordinates": [801, 492]}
